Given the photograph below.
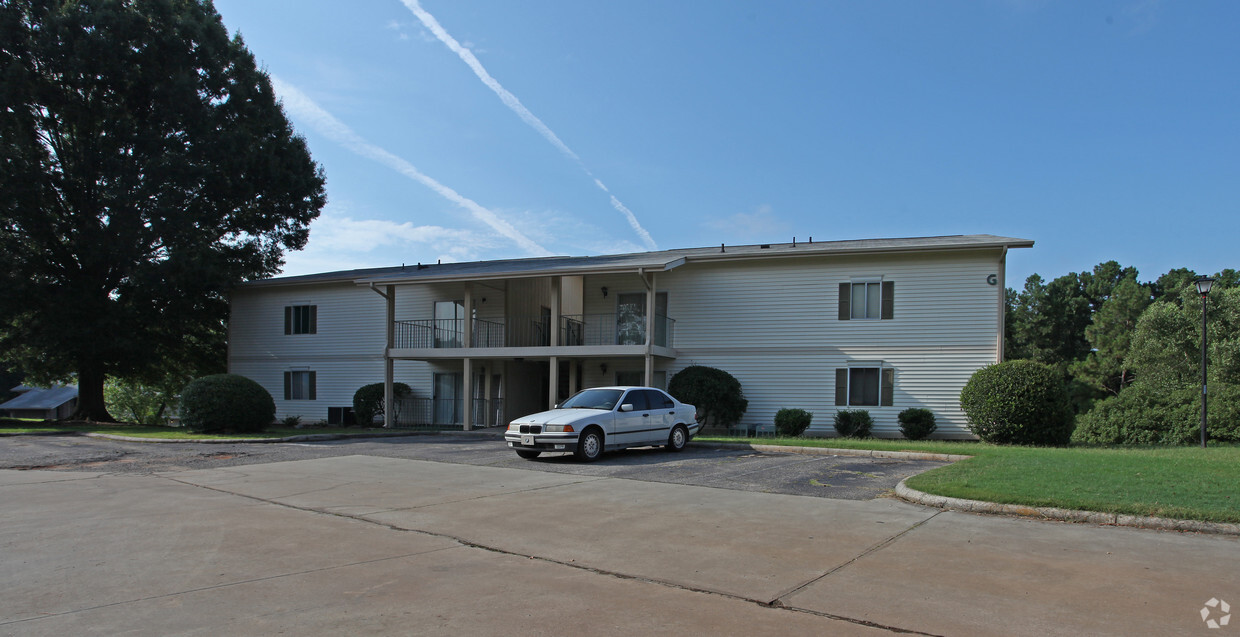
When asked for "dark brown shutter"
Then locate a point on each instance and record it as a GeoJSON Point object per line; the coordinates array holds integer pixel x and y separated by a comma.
{"type": "Point", "coordinates": [288, 385]}
{"type": "Point", "coordinates": [313, 383]}
{"type": "Point", "coordinates": [889, 291]}
{"type": "Point", "coordinates": [314, 319]}
{"type": "Point", "coordinates": [888, 388]}
{"type": "Point", "coordinates": [288, 319]}
{"type": "Point", "coordinates": [841, 386]}
{"type": "Point", "coordinates": [845, 297]}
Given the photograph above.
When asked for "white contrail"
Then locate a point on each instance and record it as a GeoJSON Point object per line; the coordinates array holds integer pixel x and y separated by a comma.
{"type": "Point", "coordinates": [517, 107]}
{"type": "Point", "coordinates": [323, 122]}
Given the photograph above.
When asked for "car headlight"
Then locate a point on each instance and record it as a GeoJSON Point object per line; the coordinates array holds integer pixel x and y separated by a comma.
{"type": "Point", "coordinates": [512, 426]}
{"type": "Point", "coordinates": [559, 429]}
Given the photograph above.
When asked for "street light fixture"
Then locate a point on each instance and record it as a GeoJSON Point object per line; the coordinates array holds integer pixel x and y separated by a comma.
{"type": "Point", "coordinates": [1203, 288]}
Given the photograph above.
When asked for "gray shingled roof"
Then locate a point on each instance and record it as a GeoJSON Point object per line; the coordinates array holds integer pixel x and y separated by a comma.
{"type": "Point", "coordinates": [647, 261]}
{"type": "Point", "coordinates": [42, 398]}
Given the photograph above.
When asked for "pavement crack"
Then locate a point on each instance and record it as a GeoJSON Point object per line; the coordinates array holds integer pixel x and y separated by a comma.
{"type": "Point", "coordinates": [876, 547]}
{"type": "Point", "coordinates": [775, 604]}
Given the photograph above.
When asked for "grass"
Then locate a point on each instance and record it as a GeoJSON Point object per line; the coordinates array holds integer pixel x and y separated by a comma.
{"type": "Point", "coordinates": [1174, 482]}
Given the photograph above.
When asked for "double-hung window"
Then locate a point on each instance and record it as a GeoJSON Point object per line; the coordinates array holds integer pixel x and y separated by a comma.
{"type": "Point", "coordinates": [301, 319]}
{"type": "Point", "coordinates": [862, 299]}
{"type": "Point", "coordinates": [299, 385]}
{"type": "Point", "coordinates": [864, 385]}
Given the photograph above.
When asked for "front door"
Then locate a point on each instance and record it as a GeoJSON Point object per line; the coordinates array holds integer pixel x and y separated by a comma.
{"type": "Point", "coordinates": [447, 398]}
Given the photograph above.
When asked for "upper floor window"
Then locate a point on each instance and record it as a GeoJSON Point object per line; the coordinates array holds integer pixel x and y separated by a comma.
{"type": "Point", "coordinates": [867, 300]}
{"type": "Point", "coordinates": [301, 319]}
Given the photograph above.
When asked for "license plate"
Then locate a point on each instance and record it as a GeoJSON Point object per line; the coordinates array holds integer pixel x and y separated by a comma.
{"type": "Point", "coordinates": [527, 441]}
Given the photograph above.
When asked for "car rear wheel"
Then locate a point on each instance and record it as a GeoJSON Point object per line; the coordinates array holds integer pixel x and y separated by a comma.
{"type": "Point", "coordinates": [677, 440]}
{"type": "Point", "coordinates": [528, 454]}
{"type": "Point", "coordinates": [590, 446]}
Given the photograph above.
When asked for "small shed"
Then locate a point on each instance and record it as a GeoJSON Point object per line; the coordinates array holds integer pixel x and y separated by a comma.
{"type": "Point", "coordinates": [53, 403]}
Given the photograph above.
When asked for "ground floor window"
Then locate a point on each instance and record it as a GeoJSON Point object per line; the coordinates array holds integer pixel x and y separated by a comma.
{"type": "Point", "coordinates": [864, 385]}
{"type": "Point", "coordinates": [299, 385]}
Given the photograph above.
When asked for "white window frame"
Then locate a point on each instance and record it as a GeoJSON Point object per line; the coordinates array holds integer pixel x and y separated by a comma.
{"type": "Point", "coordinates": [877, 283]}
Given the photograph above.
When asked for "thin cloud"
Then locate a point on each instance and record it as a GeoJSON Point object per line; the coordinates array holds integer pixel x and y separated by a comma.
{"type": "Point", "coordinates": [340, 242]}
{"type": "Point", "coordinates": [467, 56]}
{"type": "Point", "coordinates": [761, 223]}
{"type": "Point", "coordinates": [320, 120]}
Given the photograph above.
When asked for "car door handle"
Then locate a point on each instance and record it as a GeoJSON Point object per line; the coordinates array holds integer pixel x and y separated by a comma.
{"type": "Point", "coordinates": [671, 413]}
{"type": "Point", "coordinates": [645, 415]}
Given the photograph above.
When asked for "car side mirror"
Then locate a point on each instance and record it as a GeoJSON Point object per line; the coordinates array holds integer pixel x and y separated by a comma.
{"type": "Point", "coordinates": [626, 407]}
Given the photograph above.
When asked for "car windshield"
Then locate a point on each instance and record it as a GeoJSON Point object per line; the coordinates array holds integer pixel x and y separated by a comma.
{"type": "Point", "coordinates": [593, 399]}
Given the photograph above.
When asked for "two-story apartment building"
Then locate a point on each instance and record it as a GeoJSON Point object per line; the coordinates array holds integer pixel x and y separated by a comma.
{"type": "Point", "coordinates": [882, 325]}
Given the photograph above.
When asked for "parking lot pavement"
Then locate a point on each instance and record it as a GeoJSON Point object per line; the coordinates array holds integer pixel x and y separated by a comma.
{"type": "Point", "coordinates": [371, 543]}
{"type": "Point", "coordinates": [839, 477]}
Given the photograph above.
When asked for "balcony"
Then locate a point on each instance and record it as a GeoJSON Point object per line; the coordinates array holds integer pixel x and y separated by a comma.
{"type": "Point", "coordinates": [578, 330]}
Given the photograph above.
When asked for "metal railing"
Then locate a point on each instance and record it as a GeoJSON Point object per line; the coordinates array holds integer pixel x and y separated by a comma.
{"type": "Point", "coordinates": [574, 330]}
{"type": "Point", "coordinates": [447, 413]}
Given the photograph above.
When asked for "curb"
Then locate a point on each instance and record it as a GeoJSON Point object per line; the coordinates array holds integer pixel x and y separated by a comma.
{"type": "Point", "coordinates": [303, 438]}
{"type": "Point", "coordinates": [909, 494]}
{"type": "Point", "coordinates": [828, 451]}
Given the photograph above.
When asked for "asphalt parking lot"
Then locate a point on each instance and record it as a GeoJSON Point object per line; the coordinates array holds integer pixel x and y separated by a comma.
{"type": "Point", "coordinates": [376, 537]}
{"type": "Point", "coordinates": [838, 477]}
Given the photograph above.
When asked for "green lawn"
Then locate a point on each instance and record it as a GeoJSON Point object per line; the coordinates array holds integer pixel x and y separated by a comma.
{"type": "Point", "coordinates": [1175, 482]}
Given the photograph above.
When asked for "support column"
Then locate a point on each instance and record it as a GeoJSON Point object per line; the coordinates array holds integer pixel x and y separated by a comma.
{"type": "Point", "coordinates": [554, 383]}
{"type": "Point", "coordinates": [468, 323]}
{"type": "Point", "coordinates": [650, 318]}
{"type": "Point", "coordinates": [555, 311]}
{"type": "Point", "coordinates": [467, 390]}
{"type": "Point", "coordinates": [573, 365]}
{"type": "Point", "coordinates": [389, 367]}
{"type": "Point", "coordinates": [487, 373]}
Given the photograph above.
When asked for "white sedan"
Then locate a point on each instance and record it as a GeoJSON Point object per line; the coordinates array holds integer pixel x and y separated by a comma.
{"type": "Point", "coordinates": [605, 419]}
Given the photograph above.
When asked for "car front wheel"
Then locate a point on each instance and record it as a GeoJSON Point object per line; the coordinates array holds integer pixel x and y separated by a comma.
{"type": "Point", "coordinates": [677, 440]}
{"type": "Point", "coordinates": [590, 446]}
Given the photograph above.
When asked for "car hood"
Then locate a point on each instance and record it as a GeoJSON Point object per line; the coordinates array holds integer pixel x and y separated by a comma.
{"type": "Point", "coordinates": [560, 416]}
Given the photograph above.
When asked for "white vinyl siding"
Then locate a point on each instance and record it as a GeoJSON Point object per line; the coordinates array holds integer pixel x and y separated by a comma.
{"type": "Point", "coordinates": [773, 325]}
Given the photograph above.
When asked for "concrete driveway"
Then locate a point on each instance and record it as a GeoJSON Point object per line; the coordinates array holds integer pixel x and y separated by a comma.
{"type": "Point", "coordinates": [377, 545]}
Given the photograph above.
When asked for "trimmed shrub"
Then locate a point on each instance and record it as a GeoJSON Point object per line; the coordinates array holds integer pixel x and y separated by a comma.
{"type": "Point", "coordinates": [853, 423]}
{"type": "Point", "coordinates": [368, 401]}
{"type": "Point", "coordinates": [226, 403]}
{"type": "Point", "coordinates": [1145, 415]}
{"type": "Point", "coordinates": [917, 423]}
{"type": "Point", "coordinates": [1019, 402]}
{"type": "Point", "coordinates": [716, 394]}
{"type": "Point", "coordinates": [792, 422]}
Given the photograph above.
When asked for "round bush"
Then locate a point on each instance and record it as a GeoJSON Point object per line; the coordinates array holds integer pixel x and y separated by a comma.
{"type": "Point", "coordinates": [917, 423]}
{"type": "Point", "coordinates": [226, 403]}
{"type": "Point", "coordinates": [792, 422]}
{"type": "Point", "coordinates": [716, 394]}
{"type": "Point", "coordinates": [1018, 402]}
{"type": "Point", "coordinates": [853, 423]}
{"type": "Point", "coordinates": [368, 401]}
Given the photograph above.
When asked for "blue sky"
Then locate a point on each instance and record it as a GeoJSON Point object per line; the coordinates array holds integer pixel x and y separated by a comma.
{"type": "Point", "coordinates": [481, 129]}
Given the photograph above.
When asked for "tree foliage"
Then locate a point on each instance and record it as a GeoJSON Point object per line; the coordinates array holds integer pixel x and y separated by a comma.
{"type": "Point", "coordinates": [147, 169]}
{"type": "Point", "coordinates": [1110, 336]}
{"type": "Point", "coordinates": [1166, 346]}
{"type": "Point", "coordinates": [716, 394]}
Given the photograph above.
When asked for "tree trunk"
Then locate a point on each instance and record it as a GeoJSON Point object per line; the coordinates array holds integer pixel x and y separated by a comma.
{"type": "Point", "coordinates": [90, 396]}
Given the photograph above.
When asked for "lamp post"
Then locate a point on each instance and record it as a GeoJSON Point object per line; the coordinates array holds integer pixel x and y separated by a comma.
{"type": "Point", "coordinates": [1203, 288]}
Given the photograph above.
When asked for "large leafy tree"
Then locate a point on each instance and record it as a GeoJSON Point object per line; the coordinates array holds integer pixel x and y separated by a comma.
{"type": "Point", "coordinates": [1110, 336]}
{"type": "Point", "coordinates": [145, 168]}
